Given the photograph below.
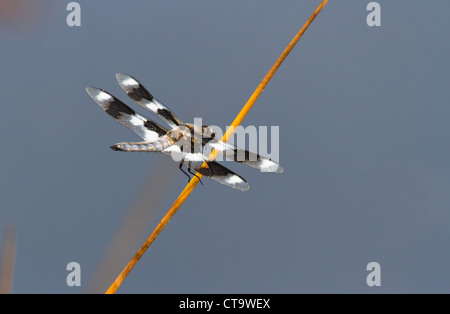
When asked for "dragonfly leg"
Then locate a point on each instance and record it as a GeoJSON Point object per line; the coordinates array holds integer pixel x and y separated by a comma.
{"type": "Point", "coordinates": [189, 170]}
{"type": "Point", "coordinates": [181, 165]}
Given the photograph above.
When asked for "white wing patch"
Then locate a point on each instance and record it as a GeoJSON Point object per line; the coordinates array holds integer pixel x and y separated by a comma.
{"type": "Point", "coordinates": [233, 181]}
{"type": "Point", "coordinates": [266, 165]}
{"type": "Point", "coordinates": [127, 80]}
{"type": "Point", "coordinates": [136, 121]}
{"type": "Point", "coordinates": [99, 96]}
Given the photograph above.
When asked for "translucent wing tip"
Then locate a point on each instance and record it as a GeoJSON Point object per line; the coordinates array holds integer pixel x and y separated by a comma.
{"type": "Point", "coordinates": [245, 187]}
{"type": "Point", "coordinates": [92, 91]}
{"type": "Point", "coordinates": [280, 169]}
{"type": "Point", "coordinates": [234, 181]}
{"type": "Point", "coordinates": [127, 82]}
{"type": "Point", "coordinates": [99, 96]}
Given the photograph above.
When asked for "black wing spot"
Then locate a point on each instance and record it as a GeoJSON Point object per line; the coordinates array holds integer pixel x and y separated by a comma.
{"type": "Point", "coordinates": [215, 169]}
{"type": "Point", "coordinates": [139, 93]}
{"type": "Point", "coordinates": [116, 108]}
{"type": "Point", "coordinates": [237, 156]}
{"type": "Point", "coordinates": [168, 115]}
{"type": "Point", "coordinates": [240, 155]}
{"type": "Point", "coordinates": [152, 126]}
{"type": "Point", "coordinates": [206, 140]}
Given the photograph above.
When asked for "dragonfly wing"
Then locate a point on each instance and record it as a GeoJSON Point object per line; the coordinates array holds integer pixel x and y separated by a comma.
{"type": "Point", "coordinates": [142, 96]}
{"type": "Point", "coordinates": [245, 157]}
{"type": "Point", "coordinates": [145, 128]}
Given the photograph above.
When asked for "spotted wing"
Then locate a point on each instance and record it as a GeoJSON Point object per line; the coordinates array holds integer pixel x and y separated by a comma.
{"type": "Point", "coordinates": [143, 127]}
{"type": "Point", "coordinates": [213, 169]}
{"type": "Point", "coordinates": [142, 96]}
{"type": "Point", "coordinates": [245, 157]}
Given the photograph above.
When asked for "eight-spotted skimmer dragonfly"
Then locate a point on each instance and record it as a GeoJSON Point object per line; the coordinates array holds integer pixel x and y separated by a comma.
{"type": "Point", "coordinates": [181, 135]}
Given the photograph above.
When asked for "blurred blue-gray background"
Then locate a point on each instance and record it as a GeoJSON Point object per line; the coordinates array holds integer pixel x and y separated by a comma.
{"type": "Point", "coordinates": [363, 115]}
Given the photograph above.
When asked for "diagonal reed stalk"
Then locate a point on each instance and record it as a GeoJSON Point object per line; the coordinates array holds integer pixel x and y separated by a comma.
{"type": "Point", "coordinates": [191, 185]}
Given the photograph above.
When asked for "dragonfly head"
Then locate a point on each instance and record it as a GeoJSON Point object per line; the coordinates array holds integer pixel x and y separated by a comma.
{"type": "Point", "coordinates": [177, 133]}
{"type": "Point", "coordinates": [208, 132]}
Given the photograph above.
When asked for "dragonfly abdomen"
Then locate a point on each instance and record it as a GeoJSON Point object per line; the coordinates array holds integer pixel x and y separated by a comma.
{"type": "Point", "coordinates": [157, 146]}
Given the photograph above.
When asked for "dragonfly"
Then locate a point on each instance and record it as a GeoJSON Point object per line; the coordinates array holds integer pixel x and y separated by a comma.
{"type": "Point", "coordinates": [185, 143]}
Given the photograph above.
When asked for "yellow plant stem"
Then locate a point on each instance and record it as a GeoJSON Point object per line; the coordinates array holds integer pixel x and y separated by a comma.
{"type": "Point", "coordinates": [191, 185]}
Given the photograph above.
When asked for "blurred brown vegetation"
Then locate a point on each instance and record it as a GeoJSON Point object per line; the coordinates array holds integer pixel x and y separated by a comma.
{"type": "Point", "coordinates": [20, 14]}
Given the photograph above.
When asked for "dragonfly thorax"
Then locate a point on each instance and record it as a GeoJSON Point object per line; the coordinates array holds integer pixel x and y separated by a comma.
{"type": "Point", "coordinates": [191, 138]}
{"type": "Point", "coordinates": [192, 131]}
